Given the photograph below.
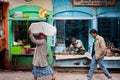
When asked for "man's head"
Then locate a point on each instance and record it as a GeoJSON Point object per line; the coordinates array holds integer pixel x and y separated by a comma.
{"type": "Point", "coordinates": [93, 33]}
{"type": "Point", "coordinates": [42, 36]}
{"type": "Point", "coordinates": [73, 39]}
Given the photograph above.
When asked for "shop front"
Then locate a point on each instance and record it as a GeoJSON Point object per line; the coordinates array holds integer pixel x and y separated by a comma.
{"type": "Point", "coordinates": [109, 28]}
{"type": "Point", "coordinates": [21, 49]}
{"type": "Point", "coordinates": [72, 21]}
{"type": "Point", "coordinates": [78, 20]}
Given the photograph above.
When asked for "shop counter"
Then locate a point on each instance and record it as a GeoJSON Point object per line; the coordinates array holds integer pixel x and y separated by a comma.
{"type": "Point", "coordinates": [63, 57]}
{"type": "Point", "coordinates": [72, 60]}
{"type": "Point", "coordinates": [22, 61]}
{"type": "Point", "coordinates": [83, 61]}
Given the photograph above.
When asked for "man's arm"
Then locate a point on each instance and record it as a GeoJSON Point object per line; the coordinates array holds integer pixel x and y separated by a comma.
{"type": "Point", "coordinates": [102, 44]}
{"type": "Point", "coordinates": [35, 41]}
{"type": "Point", "coordinates": [79, 44]}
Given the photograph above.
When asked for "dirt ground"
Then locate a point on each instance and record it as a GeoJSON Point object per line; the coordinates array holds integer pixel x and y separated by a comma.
{"type": "Point", "coordinates": [26, 75]}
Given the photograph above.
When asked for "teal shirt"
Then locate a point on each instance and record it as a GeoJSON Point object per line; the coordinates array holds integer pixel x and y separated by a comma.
{"type": "Point", "coordinates": [93, 49]}
{"type": "Point", "coordinates": [94, 43]}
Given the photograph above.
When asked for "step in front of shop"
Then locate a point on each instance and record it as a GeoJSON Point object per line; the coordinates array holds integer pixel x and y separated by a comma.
{"type": "Point", "coordinates": [82, 70]}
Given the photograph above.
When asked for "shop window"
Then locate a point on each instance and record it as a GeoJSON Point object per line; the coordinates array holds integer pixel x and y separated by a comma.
{"type": "Point", "coordinates": [20, 29]}
{"type": "Point", "coordinates": [77, 28]}
{"type": "Point", "coordinates": [117, 28]}
{"type": "Point", "coordinates": [60, 25]}
{"type": "Point", "coordinates": [109, 28]}
{"type": "Point", "coordinates": [66, 29]}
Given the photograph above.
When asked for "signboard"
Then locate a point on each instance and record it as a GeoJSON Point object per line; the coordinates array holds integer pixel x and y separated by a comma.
{"type": "Point", "coordinates": [93, 2]}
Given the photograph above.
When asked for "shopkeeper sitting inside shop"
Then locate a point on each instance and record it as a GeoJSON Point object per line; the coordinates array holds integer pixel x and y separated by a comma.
{"type": "Point", "coordinates": [76, 47]}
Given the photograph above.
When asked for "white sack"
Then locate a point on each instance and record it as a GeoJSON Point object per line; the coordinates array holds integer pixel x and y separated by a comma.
{"type": "Point", "coordinates": [43, 27]}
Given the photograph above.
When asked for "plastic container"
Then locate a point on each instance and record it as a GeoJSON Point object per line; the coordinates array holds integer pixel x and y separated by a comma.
{"type": "Point", "coordinates": [16, 49]}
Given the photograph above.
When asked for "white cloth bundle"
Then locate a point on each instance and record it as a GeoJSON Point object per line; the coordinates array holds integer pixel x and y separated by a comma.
{"type": "Point", "coordinates": [43, 27]}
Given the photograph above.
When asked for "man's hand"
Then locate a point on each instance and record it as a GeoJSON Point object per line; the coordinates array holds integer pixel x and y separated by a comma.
{"type": "Point", "coordinates": [29, 31]}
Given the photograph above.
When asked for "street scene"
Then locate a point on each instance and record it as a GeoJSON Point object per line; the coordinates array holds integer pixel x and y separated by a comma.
{"type": "Point", "coordinates": [59, 39]}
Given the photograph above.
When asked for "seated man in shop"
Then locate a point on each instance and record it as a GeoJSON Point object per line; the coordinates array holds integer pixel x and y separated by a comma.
{"type": "Point", "coordinates": [76, 47]}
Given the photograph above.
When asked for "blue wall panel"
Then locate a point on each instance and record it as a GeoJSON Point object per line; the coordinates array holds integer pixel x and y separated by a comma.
{"type": "Point", "coordinates": [62, 8]}
{"type": "Point", "coordinates": [109, 11]}
{"type": "Point", "coordinates": [68, 8]}
{"type": "Point", "coordinates": [66, 5]}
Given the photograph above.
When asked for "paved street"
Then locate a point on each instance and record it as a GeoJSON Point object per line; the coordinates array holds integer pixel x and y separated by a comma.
{"type": "Point", "coordinates": [26, 75]}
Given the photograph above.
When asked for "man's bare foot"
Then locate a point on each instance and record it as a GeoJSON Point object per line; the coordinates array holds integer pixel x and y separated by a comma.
{"type": "Point", "coordinates": [53, 77]}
